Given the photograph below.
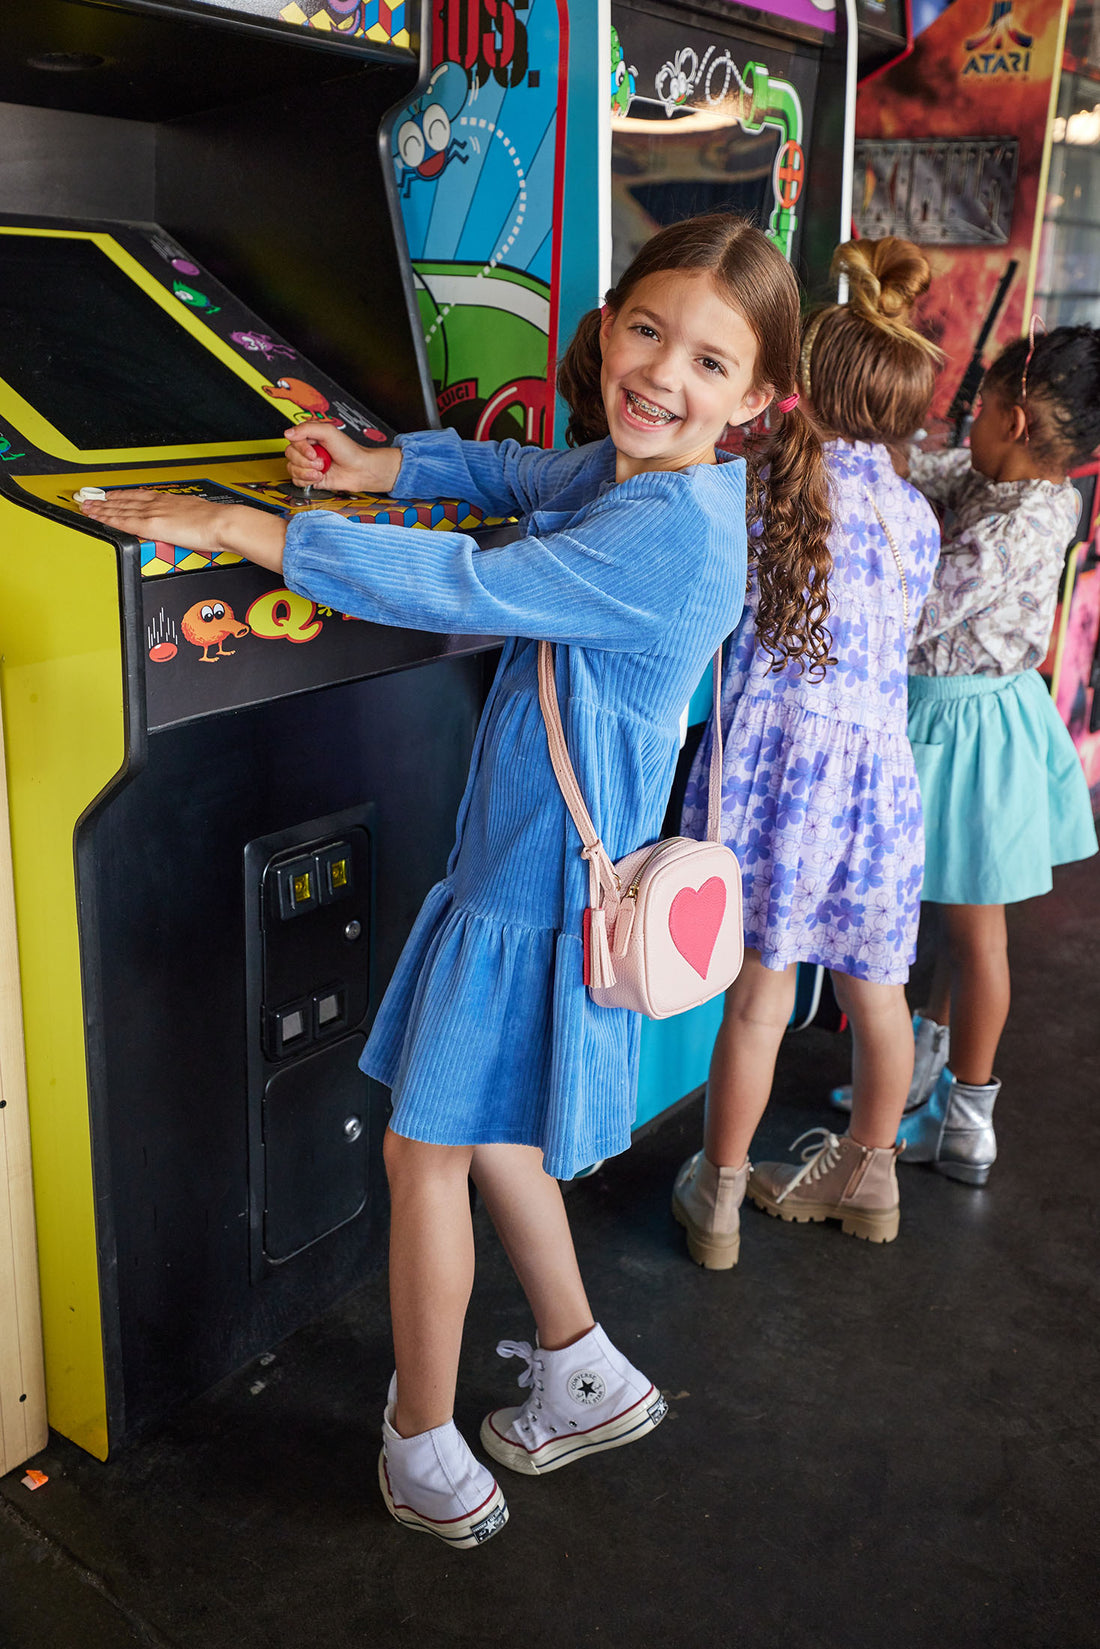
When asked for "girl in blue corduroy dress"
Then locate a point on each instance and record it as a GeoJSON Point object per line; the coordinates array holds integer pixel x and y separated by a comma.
{"type": "Point", "coordinates": [634, 564]}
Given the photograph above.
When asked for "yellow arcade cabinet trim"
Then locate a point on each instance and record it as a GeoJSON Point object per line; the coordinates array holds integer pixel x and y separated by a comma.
{"type": "Point", "coordinates": [64, 695]}
{"type": "Point", "coordinates": [19, 413]}
{"type": "Point", "coordinates": [1044, 166]}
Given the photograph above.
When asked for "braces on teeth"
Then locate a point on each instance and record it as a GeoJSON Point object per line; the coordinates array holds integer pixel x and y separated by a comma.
{"type": "Point", "coordinates": [648, 408]}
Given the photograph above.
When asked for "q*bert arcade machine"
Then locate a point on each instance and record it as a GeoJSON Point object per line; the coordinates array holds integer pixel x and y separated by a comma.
{"type": "Point", "coordinates": [221, 828]}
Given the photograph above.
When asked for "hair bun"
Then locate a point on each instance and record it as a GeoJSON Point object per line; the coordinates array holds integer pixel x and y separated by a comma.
{"type": "Point", "coordinates": [885, 277]}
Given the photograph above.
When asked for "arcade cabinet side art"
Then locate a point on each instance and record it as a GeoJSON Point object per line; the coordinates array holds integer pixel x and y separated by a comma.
{"type": "Point", "coordinates": [487, 165]}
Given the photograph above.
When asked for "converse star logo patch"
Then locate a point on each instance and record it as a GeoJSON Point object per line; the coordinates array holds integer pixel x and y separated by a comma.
{"type": "Point", "coordinates": [586, 1388]}
{"type": "Point", "coordinates": [490, 1525]}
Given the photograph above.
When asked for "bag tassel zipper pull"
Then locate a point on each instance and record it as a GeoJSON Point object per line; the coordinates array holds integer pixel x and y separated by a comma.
{"type": "Point", "coordinates": [624, 922]}
{"type": "Point", "coordinates": [601, 971]}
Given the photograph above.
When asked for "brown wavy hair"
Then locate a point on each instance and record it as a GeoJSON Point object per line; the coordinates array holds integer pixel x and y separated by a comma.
{"type": "Point", "coordinates": [787, 484]}
{"type": "Point", "coordinates": [867, 371]}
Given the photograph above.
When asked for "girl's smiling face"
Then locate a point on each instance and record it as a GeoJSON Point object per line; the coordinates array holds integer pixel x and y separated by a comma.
{"type": "Point", "coordinates": [678, 366]}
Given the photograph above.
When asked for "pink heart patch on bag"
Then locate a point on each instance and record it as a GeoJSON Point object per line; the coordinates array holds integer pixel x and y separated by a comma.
{"type": "Point", "coordinates": [695, 920]}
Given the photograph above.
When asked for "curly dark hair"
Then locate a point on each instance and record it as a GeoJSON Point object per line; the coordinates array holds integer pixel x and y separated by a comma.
{"type": "Point", "coordinates": [1062, 403]}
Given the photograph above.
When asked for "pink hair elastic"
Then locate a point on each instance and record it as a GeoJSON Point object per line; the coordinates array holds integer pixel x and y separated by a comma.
{"type": "Point", "coordinates": [789, 402]}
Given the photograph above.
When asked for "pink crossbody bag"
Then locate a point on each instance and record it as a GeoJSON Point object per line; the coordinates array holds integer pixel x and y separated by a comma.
{"type": "Point", "coordinates": [664, 929]}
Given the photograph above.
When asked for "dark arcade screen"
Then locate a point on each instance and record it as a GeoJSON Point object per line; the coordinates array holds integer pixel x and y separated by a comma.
{"type": "Point", "coordinates": [104, 363]}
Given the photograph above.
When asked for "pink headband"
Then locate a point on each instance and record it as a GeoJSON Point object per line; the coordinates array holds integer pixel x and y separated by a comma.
{"type": "Point", "coordinates": [789, 402]}
{"type": "Point", "coordinates": [1036, 322]}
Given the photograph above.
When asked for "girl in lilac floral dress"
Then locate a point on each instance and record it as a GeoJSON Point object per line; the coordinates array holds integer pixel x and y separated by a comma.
{"type": "Point", "coordinates": [820, 796]}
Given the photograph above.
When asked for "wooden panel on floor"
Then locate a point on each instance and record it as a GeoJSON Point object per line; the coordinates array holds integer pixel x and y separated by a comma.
{"type": "Point", "coordinates": [22, 1383]}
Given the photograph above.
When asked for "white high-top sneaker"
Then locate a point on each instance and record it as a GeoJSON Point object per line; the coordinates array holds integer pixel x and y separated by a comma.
{"type": "Point", "coordinates": [931, 1050]}
{"type": "Point", "coordinates": [433, 1482]}
{"type": "Point", "coordinates": [584, 1398]}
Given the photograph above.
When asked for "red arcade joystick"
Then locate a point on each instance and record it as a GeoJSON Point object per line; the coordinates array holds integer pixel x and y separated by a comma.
{"type": "Point", "coordinates": [324, 458]}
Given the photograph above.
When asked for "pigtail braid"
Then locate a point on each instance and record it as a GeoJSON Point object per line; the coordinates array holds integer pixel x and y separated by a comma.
{"type": "Point", "coordinates": [579, 382]}
{"type": "Point", "coordinates": [789, 498]}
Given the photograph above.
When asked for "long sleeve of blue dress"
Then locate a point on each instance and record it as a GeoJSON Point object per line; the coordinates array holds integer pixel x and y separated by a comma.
{"type": "Point", "coordinates": [501, 477]}
{"type": "Point", "coordinates": [596, 577]}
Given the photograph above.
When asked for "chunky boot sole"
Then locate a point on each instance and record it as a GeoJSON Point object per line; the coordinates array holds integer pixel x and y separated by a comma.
{"type": "Point", "coordinates": [969, 1173]}
{"type": "Point", "coordinates": [644, 1416]}
{"type": "Point", "coordinates": [715, 1251]}
{"type": "Point", "coordinates": [874, 1225]}
{"type": "Point", "coordinates": [461, 1532]}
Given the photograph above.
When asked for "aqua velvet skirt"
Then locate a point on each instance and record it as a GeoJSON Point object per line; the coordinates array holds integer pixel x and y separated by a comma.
{"type": "Point", "coordinates": [1002, 788]}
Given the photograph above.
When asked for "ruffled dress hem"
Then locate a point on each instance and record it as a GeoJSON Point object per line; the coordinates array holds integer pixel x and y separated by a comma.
{"type": "Point", "coordinates": [479, 1028]}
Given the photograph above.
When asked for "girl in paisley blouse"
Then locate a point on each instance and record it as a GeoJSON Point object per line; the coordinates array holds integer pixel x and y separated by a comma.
{"type": "Point", "coordinates": [1004, 794]}
{"type": "Point", "coordinates": [820, 799]}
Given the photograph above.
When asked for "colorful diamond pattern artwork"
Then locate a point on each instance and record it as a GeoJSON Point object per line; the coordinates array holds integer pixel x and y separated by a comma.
{"type": "Point", "coordinates": [372, 20]}
{"type": "Point", "coordinates": [446, 515]}
{"type": "Point", "coordinates": [158, 558]}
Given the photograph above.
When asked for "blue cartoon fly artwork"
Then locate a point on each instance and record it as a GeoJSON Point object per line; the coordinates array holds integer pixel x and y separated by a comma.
{"type": "Point", "coordinates": [423, 144]}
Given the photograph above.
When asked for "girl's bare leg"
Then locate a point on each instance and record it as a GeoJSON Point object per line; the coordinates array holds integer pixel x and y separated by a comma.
{"type": "Point", "coordinates": [882, 1056]}
{"type": "Point", "coordinates": [431, 1274]}
{"type": "Point", "coordinates": [742, 1066]}
{"type": "Point", "coordinates": [525, 1204]}
{"type": "Point", "coordinates": [977, 943]}
{"type": "Point", "coordinates": [939, 992]}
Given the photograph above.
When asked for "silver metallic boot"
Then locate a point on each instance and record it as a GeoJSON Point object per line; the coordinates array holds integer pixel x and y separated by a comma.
{"type": "Point", "coordinates": [953, 1130]}
{"type": "Point", "coordinates": [931, 1050]}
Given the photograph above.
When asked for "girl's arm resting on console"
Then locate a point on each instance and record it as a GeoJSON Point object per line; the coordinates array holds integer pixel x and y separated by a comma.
{"type": "Point", "coordinates": [193, 522]}
{"type": "Point", "coordinates": [596, 585]}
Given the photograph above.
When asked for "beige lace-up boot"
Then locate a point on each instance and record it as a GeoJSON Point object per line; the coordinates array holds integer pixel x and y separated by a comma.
{"type": "Point", "coordinates": [839, 1179]}
{"type": "Point", "coordinates": [707, 1202]}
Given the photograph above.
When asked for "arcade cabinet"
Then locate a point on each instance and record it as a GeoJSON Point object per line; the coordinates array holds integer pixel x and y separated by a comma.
{"type": "Point", "coordinates": [220, 823]}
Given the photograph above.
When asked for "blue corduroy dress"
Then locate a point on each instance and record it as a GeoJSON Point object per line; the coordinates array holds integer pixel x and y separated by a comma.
{"type": "Point", "coordinates": [486, 1033]}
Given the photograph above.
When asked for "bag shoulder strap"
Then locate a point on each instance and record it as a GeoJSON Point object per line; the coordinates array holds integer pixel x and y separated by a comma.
{"type": "Point", "coordinates": [897, 562]}
{"type": "Point", "coordinates": [592, 848]}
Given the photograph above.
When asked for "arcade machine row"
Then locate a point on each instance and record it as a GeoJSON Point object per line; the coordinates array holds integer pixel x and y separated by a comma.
{"type": "Point", "coordinates": [220, 829]}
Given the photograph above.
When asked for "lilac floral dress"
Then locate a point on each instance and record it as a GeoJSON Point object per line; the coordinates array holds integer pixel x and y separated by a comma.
{"type": "Point", "coordinates": [819, 793]}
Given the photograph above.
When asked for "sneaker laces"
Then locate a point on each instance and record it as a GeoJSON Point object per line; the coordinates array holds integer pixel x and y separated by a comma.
{"type": "Point", "coordinates": [521, 1348]}
{"type": "Point", "coordinates": [817, 1159]}
{"type": "Point", "coordinates": [525, 1416]}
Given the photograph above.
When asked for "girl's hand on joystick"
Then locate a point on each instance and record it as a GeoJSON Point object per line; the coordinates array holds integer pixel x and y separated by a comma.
{"type": "Point", "coordinates": [353, 468]}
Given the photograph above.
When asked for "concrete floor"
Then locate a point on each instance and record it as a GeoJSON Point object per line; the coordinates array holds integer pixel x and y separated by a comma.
{"type": "Point", "coordinates": [865, 1445]}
